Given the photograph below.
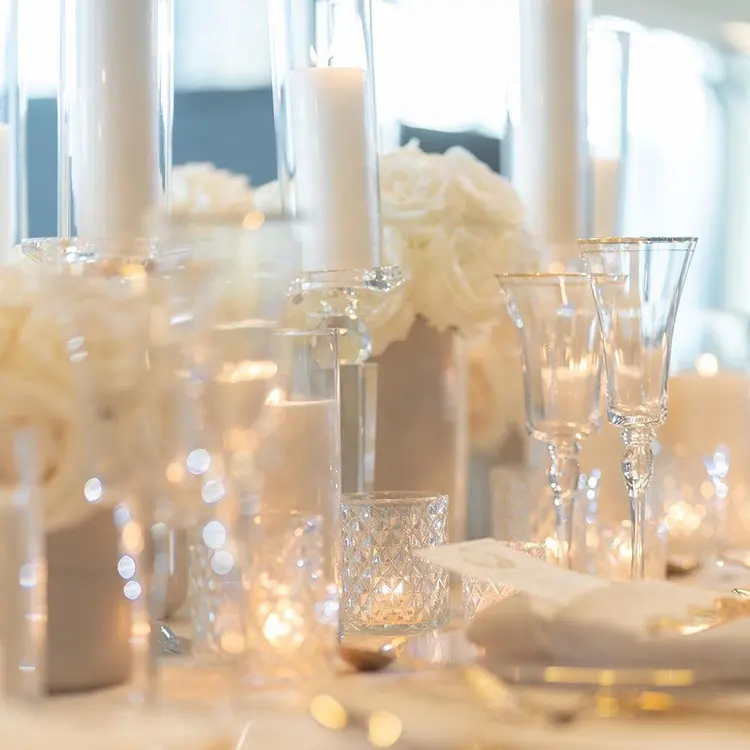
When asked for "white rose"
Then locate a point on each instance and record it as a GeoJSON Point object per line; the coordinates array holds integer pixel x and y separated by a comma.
{"type": "Point", "coordinates": [487, 196]}
{"type": "Point", "coordinates": [416, 191]}
{"type": "Point", "coordinates": [202, 191]}
{"type": "Point", "coordinates": [71, 372]}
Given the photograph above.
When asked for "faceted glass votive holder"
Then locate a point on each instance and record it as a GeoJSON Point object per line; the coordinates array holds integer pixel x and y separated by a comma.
{"type": "Point", "coordinates": [385, 587]}
{"type": "Point", "coordinates": [479, 594]}
{"type": "Point", "coordinates": [292, 607]}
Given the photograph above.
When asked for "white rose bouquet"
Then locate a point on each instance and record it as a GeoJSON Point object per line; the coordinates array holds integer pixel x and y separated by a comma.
{"type": "Point", "coordinates": [69, 376]}
{"type": "Point", "coordinates": [451, 224]}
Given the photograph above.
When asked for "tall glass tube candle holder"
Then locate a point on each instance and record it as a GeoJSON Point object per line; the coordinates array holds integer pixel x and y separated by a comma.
{"type": "Point", "coordinates": [13, 193]}
{"type": "Point", "coordinates": [324, 105]}
{"type": "Point", "coordinates": [114, 115]}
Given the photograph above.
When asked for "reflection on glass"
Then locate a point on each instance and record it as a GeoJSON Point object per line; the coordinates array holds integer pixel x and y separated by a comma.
{"type": "Point", "coordinates": [637, 316]}
{"type": "Point", "coordinates": [556, 321]}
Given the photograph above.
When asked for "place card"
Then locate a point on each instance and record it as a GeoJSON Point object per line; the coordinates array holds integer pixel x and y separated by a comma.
{"type": "Point", "coordinates": [490, 560]}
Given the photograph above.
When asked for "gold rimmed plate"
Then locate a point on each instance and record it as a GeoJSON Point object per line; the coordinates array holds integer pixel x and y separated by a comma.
{"type": "Point", "coordinates": [561, 677]}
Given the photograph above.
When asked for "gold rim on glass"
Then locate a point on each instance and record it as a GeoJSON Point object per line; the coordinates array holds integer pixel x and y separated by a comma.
{"type": "Point", "coordinates": [636, 240]}
{"type": "Point", "coordinates": [543, 276]}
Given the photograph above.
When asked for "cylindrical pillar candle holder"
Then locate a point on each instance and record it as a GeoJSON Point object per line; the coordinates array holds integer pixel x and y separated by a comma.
{"type": "Point", "coordinates": [550, 150]}
{"type": "Point", "coordinates": [13, 192]}
{"type": "Point", "coordinates": [326, 131]}
{"type": "Point", "coordinates": [115, 112]}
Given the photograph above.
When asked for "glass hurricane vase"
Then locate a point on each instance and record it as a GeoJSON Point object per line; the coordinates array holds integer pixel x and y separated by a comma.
{"type": "Point", "coordinates": [556, 321]}
{"type": "Point", "coordinates": [637, 283]}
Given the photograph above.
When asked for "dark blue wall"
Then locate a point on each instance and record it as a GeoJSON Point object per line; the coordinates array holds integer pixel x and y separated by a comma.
{"type": "Point", "coordinates": [232, 129]}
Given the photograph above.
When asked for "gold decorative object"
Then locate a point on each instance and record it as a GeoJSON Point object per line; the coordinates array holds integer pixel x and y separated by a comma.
{"type": "Point", "coordinates": [726, 609]}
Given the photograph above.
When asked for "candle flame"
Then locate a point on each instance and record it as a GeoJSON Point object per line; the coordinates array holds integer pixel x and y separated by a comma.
{"type": "Point", "coordinates": [706, 365]}
{"type": "Point", "coordinates": [396, 589]}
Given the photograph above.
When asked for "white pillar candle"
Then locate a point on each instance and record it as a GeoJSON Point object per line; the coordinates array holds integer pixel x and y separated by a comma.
{"type": "Point", "coordinates": [550, 152]}
{"type": "Point", "coordinates": [115, 147]}
{"type": "Point", "coordinates": [7, 198]}
{"type": "Point", "coordinates": [606, 195]}
{"type": "Point", "coordinates": [334, 167]}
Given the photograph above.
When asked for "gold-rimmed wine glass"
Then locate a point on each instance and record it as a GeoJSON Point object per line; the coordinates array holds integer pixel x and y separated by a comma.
{"type": "Point", "coordinates": [637, 316]}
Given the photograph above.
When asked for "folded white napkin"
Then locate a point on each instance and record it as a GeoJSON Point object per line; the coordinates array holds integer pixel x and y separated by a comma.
{"type": "Point", "coordinates": [609, 628]}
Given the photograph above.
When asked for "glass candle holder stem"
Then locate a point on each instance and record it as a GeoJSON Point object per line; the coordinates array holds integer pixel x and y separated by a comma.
{"type": "Point", "coordinates": [637, 470]}
{"type": "Point", "coordinates": [564, 471]}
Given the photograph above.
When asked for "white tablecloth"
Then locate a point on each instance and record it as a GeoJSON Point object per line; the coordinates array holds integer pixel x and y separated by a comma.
{"type": "Point", "coordinates": [436, 709]}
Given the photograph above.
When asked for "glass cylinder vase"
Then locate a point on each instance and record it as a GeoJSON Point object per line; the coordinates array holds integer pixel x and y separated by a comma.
{"type": "Point", "coordinates": [115, 103]}
{"type": "Point", "coordinates": [13, 185]}
{"type": "Point", "coordinates": [326, 128]}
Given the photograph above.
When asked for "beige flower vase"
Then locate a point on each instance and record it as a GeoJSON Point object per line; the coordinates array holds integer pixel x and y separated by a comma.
{"type": "Point", "coordinates": [88, 624]}
{"type": "Point", "coordinates": [422, 440]}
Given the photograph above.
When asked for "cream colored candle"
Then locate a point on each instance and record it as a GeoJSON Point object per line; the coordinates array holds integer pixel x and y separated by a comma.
{"type": "Point", "coordinates": [550, 156]}
{"type": "Point", "coordinates": [115, 151]}
{"type": "Point", "coordinates": [335, 167]}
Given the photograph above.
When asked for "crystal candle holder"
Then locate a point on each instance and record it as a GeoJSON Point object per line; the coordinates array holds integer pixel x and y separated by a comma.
{"type": "Point", "coordinates": [292, 616]}
{"type": "Point", "coordinates": [479, 594]}
{"type": "Point", "coordinates": [386, 588]}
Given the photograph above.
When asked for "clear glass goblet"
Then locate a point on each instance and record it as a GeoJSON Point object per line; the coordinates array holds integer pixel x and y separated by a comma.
{"type": "Point", "coordinates": [561, 354]}
{"type": "Point", "coordinates": [637, 316]}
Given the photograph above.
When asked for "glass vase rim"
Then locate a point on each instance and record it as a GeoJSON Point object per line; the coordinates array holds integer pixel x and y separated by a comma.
{"type": "Point", "coordinates": [584, 277]}
{"type": "Point", "coordinates": [142, 246]}
{"type": "Point", "coordinates": [604, 242]}
{"type": "Point", "coordinates": [543, 276]}
{"type": "Point", "coordinates": [395, 497]}
{"type": "Point", "coordinates": [293, 332]}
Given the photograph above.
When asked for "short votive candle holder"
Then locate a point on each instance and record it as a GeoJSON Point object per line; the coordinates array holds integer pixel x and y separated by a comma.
{"type": "Point", "coordinates": [386, 588]}
{"type": "Point", "coordinates": [479, 594]}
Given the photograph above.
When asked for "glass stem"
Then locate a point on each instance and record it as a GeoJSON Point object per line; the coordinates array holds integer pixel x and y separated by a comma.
{"type": "Point", "coordinates": [564, 471]}
{"type": "Point", "coordinates": [637, 469]}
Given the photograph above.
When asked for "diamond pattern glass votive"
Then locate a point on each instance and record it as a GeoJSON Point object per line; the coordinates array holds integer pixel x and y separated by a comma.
{"type": "Point", "coordinates": [479, 594]}
{"type": "Point", "coordinates": [386, 588]}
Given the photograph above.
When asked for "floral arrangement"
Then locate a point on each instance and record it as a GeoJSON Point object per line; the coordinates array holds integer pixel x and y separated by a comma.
{"type": "Point", "coordinates": [451, 224]}
{"type": "Point", "coordinates": [66, 401]}
{"type": "Point", "coordinates": [201, 190]}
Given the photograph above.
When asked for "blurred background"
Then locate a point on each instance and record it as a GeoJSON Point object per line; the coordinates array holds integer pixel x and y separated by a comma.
{"type": "Point", "coordinates": [669, 105]}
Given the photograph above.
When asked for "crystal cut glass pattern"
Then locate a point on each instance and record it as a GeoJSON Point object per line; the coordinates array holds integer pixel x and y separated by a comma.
{"type": "Point", "coordinates": [293, 612]}
{"type": "Point", "coordinates": [479, 594]}
{"type": "Point", "coordinates": [386, 588]}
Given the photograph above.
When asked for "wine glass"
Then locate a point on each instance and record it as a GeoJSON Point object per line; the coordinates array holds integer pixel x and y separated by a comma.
{"type": "Point", "coordinates": [637, 316]}
{"type": "Point", "coordinates": [561, 354]}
